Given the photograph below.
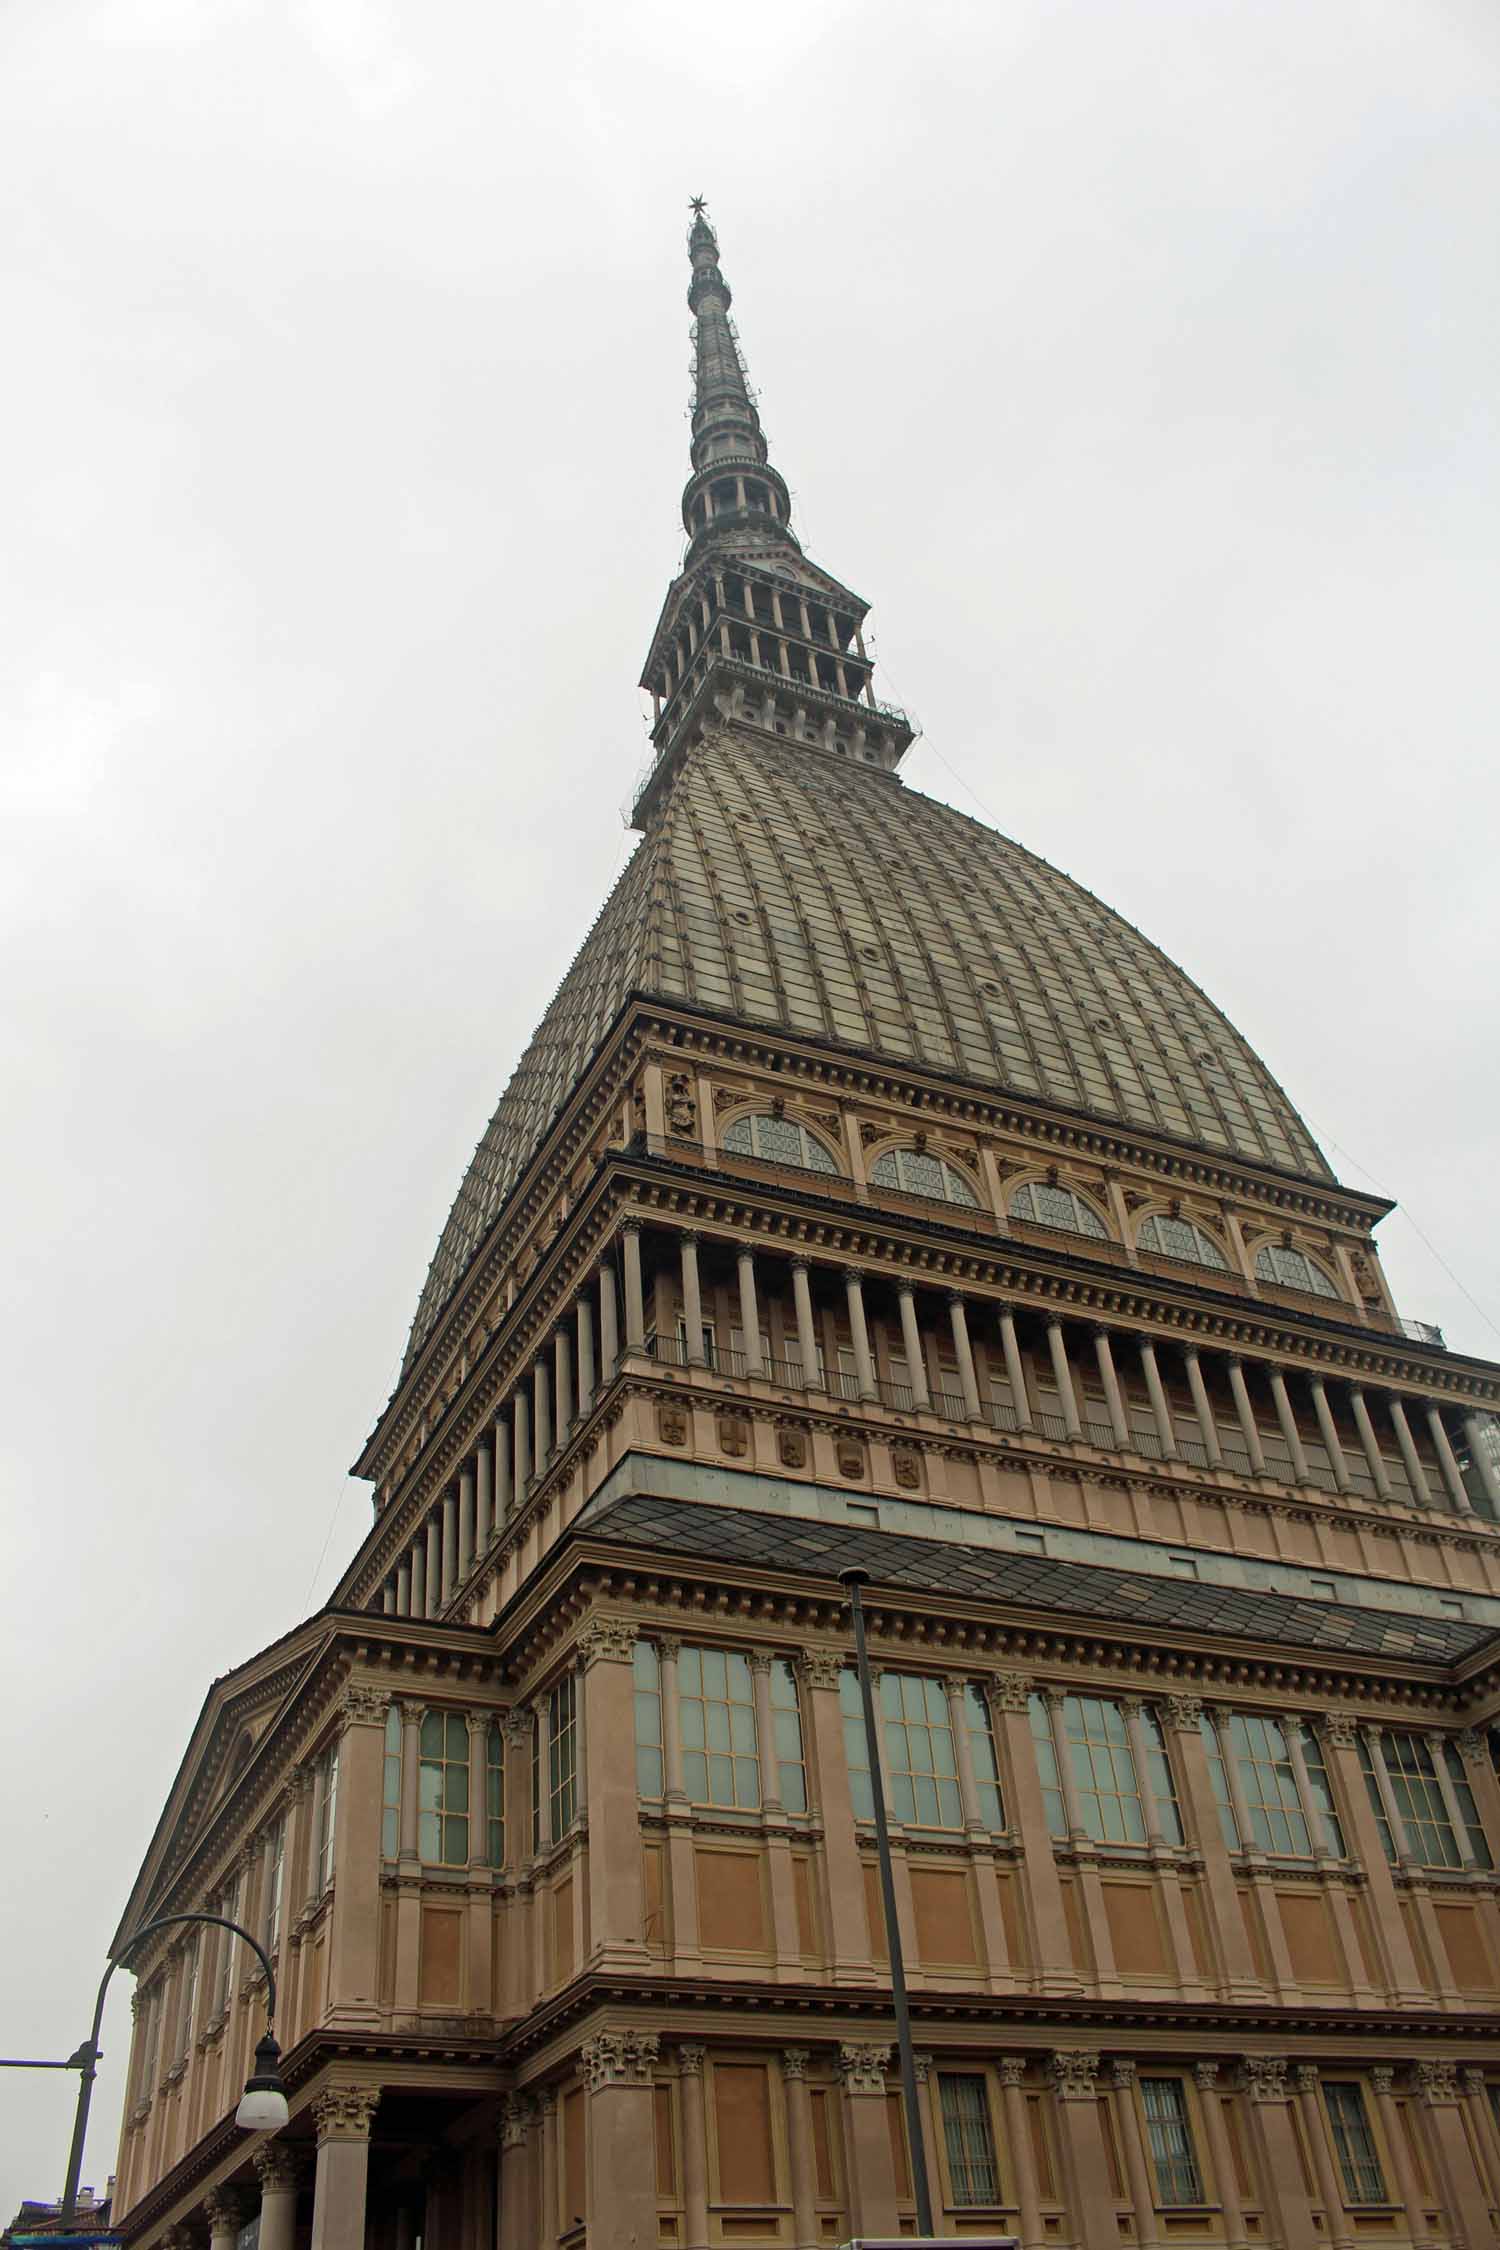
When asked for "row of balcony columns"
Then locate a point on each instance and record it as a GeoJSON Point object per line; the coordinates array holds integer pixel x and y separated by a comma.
{"type": "Point", "coordinates": [559, 1389]}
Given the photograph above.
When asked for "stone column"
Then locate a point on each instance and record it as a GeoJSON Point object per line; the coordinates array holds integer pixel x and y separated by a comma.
{"type": "Point", "coordinates": [755, 1363]}
{"type": "Point", "coordinates": [411, 1777]}
{"type": "Point", "coordinates": [635, 1295]}
{"type": "Point", "coordinates": [864, 1365]}
{"type": "Point", "coordinates": [617, 1906]}
{"type": "Point", "coordinates": [342, 2115]}
{"type": "Point", "coordinates": [1437, 1743]}
{"type": "Point", "coordinates": [968, 1382]}
{"type": "Point", "coordinates": [546, 2180]}
{"type": "Point", "coordinates": [1489, 1477]}
{"type": "Point", "coordinates": [419, 1575]}
{"type": "Point", "coordinates": [1015, 1371]}
{"type": "Point", "coordinates": [668, 1648]}
{"type": "Point", "coordinates": [541, 1415]}
{"type": "Point", "coordinates": [1383, 2083]}
{"type": "Point", "coordinates": [955, 1685]}
{"type": "Point", "coordinates": [467, 1517]}
{"type": "Point", "coordinates": [520, 1421]}
{"type": "Point", "coordinates": [1288, 2213]}
{"type": "Point", "coordinates": [449, 1545]}
{"type": "Point", "coordinates": [799, 2148]}
{"type": "Point", "coordinates": [1155, 1390]}
{"type": "Point", "coordinates": [1225, 2186]}
{"type": "Point", "coordinates": [388, 1597]}
{"type": "Point", "coordinates": [609, 1319]}
{"type": "Point", "coordinates": [770, 1771]}
{"type": "Point", "coordinates": [1325, 2165]}
{"type": "Point", "coordinates": [1339, 1735]}
{"type": "Point", "coordinates": [1091, 2198]}
{"type": "Point", "coordinates": [403, 1586]}
{"type": "Point", "coordinates": [276, 2169]}
{"type": "Point", "coordinates": [1485, 2127]}
{"type": "Point", "coordinates": [562, 1364]}
{"type": "Point", "coordinates": [1137, 2169]}
{"type": "Point", "coordinates": [484, 1499]}
{"type": "Point", "coordinates": [505, 1468]}
{"type": "Point", "coordinates": [911, 1345]}
{"type": "Point", "coordinates": [1416, 1474]}
{"type": "Point", "coordinates": [617, 2067]}
{"type": "Point", "coordinates": [849, 1942]}
{"type": "Point", "coordinates": [1328, 1431]}
{"type": "Point", "coordinates": [871, 2166]}
{"type": "Point", "coordinates": [1063, 1376]}
{"type": "Point", "coordinates": [437, 1567]}
{"type": "Point", "coordinates": [515, 2200]}
{"type": "Point", "coordinates": [1208, 1428]}
{"type": "Point", "coordinates": [1112, 1396]}
{"type": "Point", "coordinates": [1132, 1709]}
{"type": "Point", "coordinates": [807, 1338]}
{"type": "Point", "coordinates": [1022, 2154]}
{"type": "Point", "coordinates": [1374, 1459]}
{"type": "Point", "coordinates": [1182, 1715]}
{"type": "Point", "coordinates": [225, 2214]}
{"type": "Point", "coordinates": [312, 1878]}
{"type": "Point", "coordinates": [690, 2060]}
{"type": "Point", "coordinates": [1041, 1893]}
{"type": "Point", "coordinates": [1281, 1399]}
{"type": "Point", "coordinates": [1249, 1430]}
{"type": "Point", "coordinates": [692, 1299]}
{"type": "Point", "coordinates": [587, 1377]}
{"type": "Point", "coordinates": [1447, 1461]}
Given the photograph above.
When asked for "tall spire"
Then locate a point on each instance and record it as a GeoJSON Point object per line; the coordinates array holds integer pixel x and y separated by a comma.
{"type": "Point", "coordinates": [751, 633]}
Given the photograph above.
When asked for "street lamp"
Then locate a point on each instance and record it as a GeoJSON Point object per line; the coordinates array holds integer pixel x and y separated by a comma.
{"type": "Point", "coordinates": [851, 1581]}
{"type": "Point", "coordinates": [263, 2107]}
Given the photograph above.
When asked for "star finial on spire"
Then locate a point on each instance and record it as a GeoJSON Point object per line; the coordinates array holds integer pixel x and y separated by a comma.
{"type": "Point", "coordinates": [698, 205]}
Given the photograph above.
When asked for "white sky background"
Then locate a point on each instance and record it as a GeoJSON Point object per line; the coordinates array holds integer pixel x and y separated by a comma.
{"type": "Point", "coordinates": [1135, 358]}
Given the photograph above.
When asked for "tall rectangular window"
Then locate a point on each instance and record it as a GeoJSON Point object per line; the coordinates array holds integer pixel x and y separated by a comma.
{"type": "Point", "coordinates": [150, 2041]}
{"type": "Point", "coordinates": [1091, 1733]}
{"type": "Point", "coordinates": [275, 1868]}
{"type": "Point", "coordinates": [562, 1754]}
{"type": "Point", "coordinates": [786, 1724]}
{"type": "Point", "coordinates": [981, 1736]}
{"type": "Point", "coordinates": [494, 1785]}
{"type": "Point", "coordinates": [1428, 1832]}
{"type": "Point", "coordinates": [189, 1995]}
{"type": "Point", "coordinates": [716, 1699]}
{"type": "Point", "coordinates": [443, 1789]}
{"type": "Point", "coordinates": [1171, 2142]}
{"type": "Point", "coordinates": [917, 1737]}
{"type": "Point", "coordinates": [229, 1907]}
{"type": "Point", "coordinates": [328, 1819]}
{"type": "Point", "coordinates": [390, 1795]}
{"type": "Point", "coordinates": [1354, 2143]}
{"type": "Point", "coordinates": [650, 1769]}
{"type": "Point", "coordinates": [968, 2138]}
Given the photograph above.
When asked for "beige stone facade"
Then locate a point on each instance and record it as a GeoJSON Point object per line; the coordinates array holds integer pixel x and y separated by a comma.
{"type": "Point", "coordinates": [1184, 1596]}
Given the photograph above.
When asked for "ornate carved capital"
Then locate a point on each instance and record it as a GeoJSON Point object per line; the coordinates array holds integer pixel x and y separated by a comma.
{"type": "Point", "coordinates": [1206, 2076]}
{"type": "Point", "coordinates": [820, 1667]}
{"type": "Point", "coordinates": [1012, 2070]}
{"type": "Point", "coordinates": [515, 2118]}
{"type": "Point", "coordinates": [1435, 2081]}
{"type": "Point", "coordinates": [1473, 2083]}
{"type": "Point", "coordinates": [299, 1783]}
{"type": "Point", "coordinates": [669, 1647]}
{"type": "Point", "coordinates": [1339, 1729]}
{"type": "Point", "coordinates": [1305, 2078]}
{"type": "Point", "coordinates": [690, 2059]}
{"type": "Point", "coordinates": [761, 1660]}
{"type": "Point", "coordinates": [364, 1704]}
{"type": "Point", "coordinates": [1182, 1712]}
{"type": "Point", "coordinates": [608, 1639]}
{"type": "Point", "coordinates": [1383, 2078]}
{"type": "Point", "coordinates": [1264, 2077]}
{"type": "Point", "coordinates": [794, 2061]}
{"type": "Point", "coordinates": [344, 2113]}
{"type": "Point", "coordinates": [276, 2166]}
{"type": "Point", "coordinates": [1011, 1691]}
{"type": "Point", "coordinates": [921, 2068]}
{"type": "Point", "coordinates": [1472, 1747]}
{"type": "Point", "coordinates": [224, 2210]}
{"type": "Point", "coordinates": [516, 1722]}
{"type": "Point", "coordinates": [1073, 2072]}
{"type": "Point", "coordinates": [1131, 1706]}
{"type": "Point", "coordinates": [619, 2058]}
{"type": "Point", "coordinates": [863, 2065]}
{"type": "Point", "coordinates": [1122, 2074]}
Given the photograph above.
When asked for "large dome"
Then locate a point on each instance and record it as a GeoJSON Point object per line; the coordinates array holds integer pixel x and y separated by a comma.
{"type": "Point", "coordinates": [785, 887]}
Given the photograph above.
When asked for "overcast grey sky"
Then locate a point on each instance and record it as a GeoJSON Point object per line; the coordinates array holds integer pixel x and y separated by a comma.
{"type": "Point", "coordinates": [1136, 358]}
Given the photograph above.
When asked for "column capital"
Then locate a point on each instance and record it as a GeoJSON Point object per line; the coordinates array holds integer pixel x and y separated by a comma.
{"type": "Point", "coordinates": [276, 2166]}
{"type": "Point", "coordinates": [515, 2117]}
{"type": "Point", "coordinates": [1101, 1331]}
{"type": "Point", "coordinates": [689, 1234]}
{"type": "Point", "coordinates": [668, 1646]}
{"type": "Point", "coordinates": [224, 2209]}
{"type": "Point", "coordinates": [412, 1714]}
{"type": "Point", "coordinates": [1182, 1713]}
{"type": "Point", "coordinates": [630, 1226]}
{"type": "Point", "coordinates": [1264, 2077]}
{"type": "Point", "coordinates": [856, 1273]}
{"type": "Point", "coordinates": [608, 1640]}
{"type": "Point", "coordinates": [691, 2056]}
{"type": "Point", "coordinates": [1383, 2078]}
{"type": "Point", "coordinates": [1073, 2073]}
{"type": "Point", "coordinates": [364, 1704]}
{"type": "Point", "coordinates": [1436, 2082]}
{"type": "Point", "coordinates": [1012, 2070]}
{"type": "Point", "coordinates": [921, 2064]}
{"type": "Point", "coordinates": [800, 1264]}
{"type": "Point", "coordinates": [761, 1660]}
{"type": "Point", "coordinates": [862, 2065]}
{"type": "Point", "coordinates": [620, 2058]}
{"type": "Point", "coordinates": [345, 2113]}
{"type": "Point", "coordinates": [954, 1297]}
{"type": "Point", "coordinates": [1339, 1729]}
{"type": "Point", "coordinates": [1130, 1706]}
{"type": "Point", "coordinates": [1472, 1747]}
{"type": "Point", "coordinates": [1473, 2081]}
{"type": "Point", "coordinates": [1206, 2076]}
{"type": "Point", "coordinates": [1306, 2077]}
{"type": "Point", "coordinates": [1122, 2074]}
{"type": "Point", "coordinates": [821, 1667]}
{"type": "Point", "coordinates": [1012, 1691]}
{"type": "Point", "coordinates": [794, 2062]}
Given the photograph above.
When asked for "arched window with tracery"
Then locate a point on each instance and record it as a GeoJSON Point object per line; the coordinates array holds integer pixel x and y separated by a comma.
{"type": "Point", "coordinates": [1046, 1204]}
{"type": "Point", "coordinates": [915, 1172]}
{"type": "Point", "coordinates": [1179, 1238]}
{"type": "Point", "coordinates": [777, 1140]}
{"type": "Point", "coordinates": [1290, 1268]}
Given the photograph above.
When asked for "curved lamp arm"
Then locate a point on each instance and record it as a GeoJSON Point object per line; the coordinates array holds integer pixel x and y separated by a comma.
{"type": "Point", "coordinates": [85, 2060]}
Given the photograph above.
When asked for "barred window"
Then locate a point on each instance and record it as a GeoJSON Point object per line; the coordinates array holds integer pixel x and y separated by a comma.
{"type": "Point", "coordinates": [1179, 1238]}
{"type": "Point", "coordinates": [914, 1172]}
{"type": "Point", "coordinates": [777, 1140]}
{"type": "Point", "coordinates": [443, 1790]}
{"type": "Point", "coordinates": [786, 1724]}
{"type": "Point", "coordinates": [1278, 1262]}
{"type": "Point", "coordinates": [494, 1793]}
{"type": "Point", "coordinates": [390, 1796]}
{"type": "Point", "coordinates": [1354, 2143]}
{"type": "Point", "coordinates": [969, 2138]}
{"type": "Point", "coordinates": [1428, 1831]}
{"type": "Point", "coordinates": [328, 1819]}
{"type": "Point", "coordinates": [1091, 1733]}
{"type": "Point", "coordinates": [1178, 2179]}
{"type": "Point", "coordinates": [716, 1698]}
{"type": "Point", "coordinates": [1047, 1205]}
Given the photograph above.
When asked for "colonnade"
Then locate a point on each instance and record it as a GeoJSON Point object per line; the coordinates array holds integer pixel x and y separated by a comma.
{"type": "Point", "coordinates": [557, 1390]}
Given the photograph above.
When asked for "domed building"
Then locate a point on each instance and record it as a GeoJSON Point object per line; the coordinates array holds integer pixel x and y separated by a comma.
{"type": "Point", "coordinates": [872, 1200]}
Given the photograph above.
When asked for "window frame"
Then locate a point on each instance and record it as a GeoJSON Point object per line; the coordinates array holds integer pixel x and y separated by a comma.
{"type": "Point", "coordinates": [1162, 2160]}
{"type": "Point", "coordinates": [1347, 2159]}
{"type": "Point", "coordinates": [968, 1198]}
{"type": "Point", "coordinates": [951, 2129]}
{"type": "Point", "coordinates": [1045, 1736]}
{"type": "Point", "coordinates": [443, 1812]}
{"type": "Point", "coordinates": [1329, 1292]}
{"type": "Point", "coordinates": [1217, 1263]}
{"type": "Point", "coordinates": [751, 1118]}
{"type": "Point", "coordinates": [1098, 1232]}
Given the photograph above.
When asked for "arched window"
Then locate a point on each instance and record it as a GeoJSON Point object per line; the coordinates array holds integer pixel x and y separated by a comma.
{"type": "Point", "coordinates": [778, 1140]}
{"type": "Point", "coordinates": [1292, 1269]}
{"type": "Point", "coordinates": [1047, 1205]}
{"type": "Point", "coordinates": [916, 1173]}
{"type": "Point", "coordinates": [1179, 1238]}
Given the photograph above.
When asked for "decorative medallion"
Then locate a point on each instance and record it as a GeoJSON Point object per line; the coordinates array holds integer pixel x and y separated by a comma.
{"type": "Point", "coordinates": [734, 1434]}
{"type": "Point", "coordinates": [791, 1447]}
{"type": "Point", "coordinates": [672, 1423]}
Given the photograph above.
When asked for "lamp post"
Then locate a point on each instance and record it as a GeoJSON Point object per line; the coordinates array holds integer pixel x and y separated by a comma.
{"type": "Point", "coordinates": [262, 2105]}
{"type": "Point", "coordinates": [851, 1581]}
